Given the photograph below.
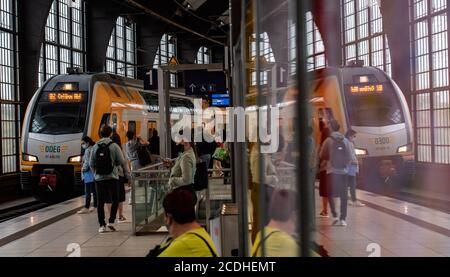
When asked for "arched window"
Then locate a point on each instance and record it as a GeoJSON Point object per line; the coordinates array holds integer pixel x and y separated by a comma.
{"type": "Point", "coordinates": [9, 93]}
{"type": "Point", "coordinates": [166, 50]}
{"type": "Point", "coordinates": [315, 49]}
{"type": "Point", "coordinates": [121, 52]}
{"type": "Point", "coordinates": [363, 35]}
{"type": "Point", "coordinates": [430, 80]}
{"type": "Point", "coordinates": [203, 56]}
{"type": "Point", "coordinates": [266, 53]}
{"type": "Point", "coordinates": [64, 42]}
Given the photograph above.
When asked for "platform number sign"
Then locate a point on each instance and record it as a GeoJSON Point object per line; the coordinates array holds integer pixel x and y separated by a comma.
{"type": "Point", "coordinates": [280, 75]}
{"type": "Point", "coordinates": [151, 80]}
{"type": "Point", "coordinates": [374, 250]}
{"type": "Point", "coordinates": [74, 249]}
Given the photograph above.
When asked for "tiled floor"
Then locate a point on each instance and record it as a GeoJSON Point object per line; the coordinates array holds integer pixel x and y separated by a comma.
{"type": "Point", "coordinates": [82, 230]}
{"type": "Point", "coordinates": [395, 228]}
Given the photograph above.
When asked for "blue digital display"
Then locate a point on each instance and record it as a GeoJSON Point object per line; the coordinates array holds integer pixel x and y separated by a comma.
{"type": "Point", "coordinates": [220, 100]}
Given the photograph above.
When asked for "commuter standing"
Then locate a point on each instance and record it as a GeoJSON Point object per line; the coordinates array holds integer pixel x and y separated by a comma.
{"type": "Point", "coordinates": [183, 170]}
{"type": "Point", "coordinates": [154, 143]}
{"type": "Point", "coordinates": [122, 179]}
{"type": "Point", "coordinates": [323, 187]}
{"type": "Point", "coordinates": [88, 176]}
{"type": "Point", "coordinates": [353, 170]}
{"type": "Point", "coordinates": [336, 151]}
{"type": "Point", "coordinates": [131, 150]}
{"type": "Point", "coordinates": [105, 161]}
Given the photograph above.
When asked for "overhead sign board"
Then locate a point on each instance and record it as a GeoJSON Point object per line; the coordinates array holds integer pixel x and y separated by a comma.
{"type": "Point", "coordinates": [203, 82]}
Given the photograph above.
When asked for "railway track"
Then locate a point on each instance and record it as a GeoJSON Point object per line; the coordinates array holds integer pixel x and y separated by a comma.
{"type": "Point", "coordinates": [16, 211]}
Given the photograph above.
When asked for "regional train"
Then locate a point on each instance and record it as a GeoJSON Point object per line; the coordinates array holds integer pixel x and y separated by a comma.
{"type": "Point", "coordinates": [366, 100]}
{"type": "Point", "coordinates": [70, 106]}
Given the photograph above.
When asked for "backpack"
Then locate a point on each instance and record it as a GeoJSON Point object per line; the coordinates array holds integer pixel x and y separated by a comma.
{"type": "Point", "coordinates": [143, 155]}
{"type": "Point", "coordinates": [104, 164]}
{"type": "Point", "coordinates": [201, 176]}
{"type": "Point", "coordinates": [339, 154]}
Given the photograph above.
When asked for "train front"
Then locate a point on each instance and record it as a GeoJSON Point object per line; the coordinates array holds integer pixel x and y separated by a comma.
{"type": "Point", "coordinates": [378, 112]}
{"type": "Point", "coordinates": [54, 124]}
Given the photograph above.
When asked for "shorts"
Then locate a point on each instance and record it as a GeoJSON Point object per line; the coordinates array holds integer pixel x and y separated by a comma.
{"type": "Point", "coordinates": [121, 184]}
{"type": "Point", "coordinates": [323, 187]}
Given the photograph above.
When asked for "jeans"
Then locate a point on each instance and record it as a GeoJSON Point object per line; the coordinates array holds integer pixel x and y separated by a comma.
{"type": "Point", "coordinates": [107, 190]}
{"type": "Point", "coordinates": [337, 187]}
{"type": "Point", "coordinates": [351, 181]}
{"type": "Point", "coordinates": [88, 189]}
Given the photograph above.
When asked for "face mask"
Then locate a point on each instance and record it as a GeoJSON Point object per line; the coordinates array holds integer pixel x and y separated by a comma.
{"type": "Point", "coordinates": [84, 146]}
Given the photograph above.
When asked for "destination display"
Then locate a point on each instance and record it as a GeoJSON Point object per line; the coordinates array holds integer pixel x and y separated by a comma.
{"type": "Point", "coordinates": [66, 97]}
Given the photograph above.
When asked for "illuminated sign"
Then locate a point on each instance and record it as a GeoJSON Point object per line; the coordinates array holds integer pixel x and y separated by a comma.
{"type": "Point", "coordinates": [65, 97]}
{"type": "Point", "coordinates": [367, 89]}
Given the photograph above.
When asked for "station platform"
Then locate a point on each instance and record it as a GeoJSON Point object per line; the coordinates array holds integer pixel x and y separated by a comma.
{"type": "Point", "coordinates": [399, 228]}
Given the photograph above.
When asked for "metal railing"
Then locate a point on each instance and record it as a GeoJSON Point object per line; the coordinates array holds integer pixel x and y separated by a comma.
{"type": "Point", "coordinates": [150, 185]}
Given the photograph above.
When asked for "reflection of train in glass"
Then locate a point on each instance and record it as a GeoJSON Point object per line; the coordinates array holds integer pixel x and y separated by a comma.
{"type": "Point", "coordinates": [368, 101]}
{"type": "Point", "coordinates": [66, 108]}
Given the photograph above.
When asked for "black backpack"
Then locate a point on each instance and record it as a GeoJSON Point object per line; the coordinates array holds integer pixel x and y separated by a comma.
{"type": "Point", "coordinates": [339, 153]}
{"type": "Point", "coordinates": [143, 155]}
{"type": "Point", "coordinates": [104, 164]}
{"type": "Point", "coordinates": [201, 176]}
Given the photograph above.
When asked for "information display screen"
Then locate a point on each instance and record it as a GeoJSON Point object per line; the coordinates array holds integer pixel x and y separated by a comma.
{"type": "Point", "coordinates": [65, 97]}
{"type": "Point", "coordinates": [220, 100]}
{"type": "Point", "coordinates": [367, 89]}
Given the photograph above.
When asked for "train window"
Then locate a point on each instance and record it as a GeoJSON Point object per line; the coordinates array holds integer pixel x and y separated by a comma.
{"type": "Point", "coordinates": [151, 100]}
{"type": "Point", "coordinates": [104, 121]}
{"type": "Point", "coordinates": [59, 113]}
{"type": "Point", "coordinates": [114, 121]}
{"type": "Point", "coordinates": [132, 126]}
{"type": "Point", "coordinates": [374, 109]}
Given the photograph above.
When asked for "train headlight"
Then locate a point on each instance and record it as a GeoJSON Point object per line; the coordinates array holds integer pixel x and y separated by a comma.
{"type": "Point", "coordinates": [29, 158]}
{"type": "Point", "coordinates": [404, 149]}
{"type": "Point", "coordinates": [360, 152]}
{"type": "Point", "coordinates": [75, 159]}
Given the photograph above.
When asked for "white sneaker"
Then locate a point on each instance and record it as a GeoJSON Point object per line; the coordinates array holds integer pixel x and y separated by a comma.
{"type": "Point", "coordinates": [111, 227]}
{"type": "Point", "coordinates": [91, 209]}
{"type": "Point", "coordinates": [83, 211]}
{"type": "Point", "coordinates": [342, 223]}
{"type": "Point", "coordinates": [335, 221]}
{"type": "Point", "coordinates": [102, 229]}
{"type": "Point", "coordinates": [359, 204]}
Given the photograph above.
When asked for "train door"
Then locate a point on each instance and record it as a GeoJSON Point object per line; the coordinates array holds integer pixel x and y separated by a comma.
{"type": "Point", "coordinates": [151, 125]}
{"type": "Point", "coordinates": [327, 103]}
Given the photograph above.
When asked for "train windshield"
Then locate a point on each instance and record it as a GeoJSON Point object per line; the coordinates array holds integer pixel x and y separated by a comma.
{"type": "Point", "coordinates": [373, 105]}
{"type": "Point", "coordinates": [58, 113]}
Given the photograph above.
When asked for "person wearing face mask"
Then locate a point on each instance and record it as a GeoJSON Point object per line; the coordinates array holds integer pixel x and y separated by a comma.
{"type": "Point", "coordinates": [183, 170]}
{"type": "Point", "coordinates": [187, 237]}
{"type": "Point", "coordinates": [87, 176]}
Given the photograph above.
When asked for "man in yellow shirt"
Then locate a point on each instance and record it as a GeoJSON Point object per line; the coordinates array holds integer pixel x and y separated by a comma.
{"type": "Point", "coordinates": [278, 241]}
{"type": "Point", "coordinates": [188, 238]}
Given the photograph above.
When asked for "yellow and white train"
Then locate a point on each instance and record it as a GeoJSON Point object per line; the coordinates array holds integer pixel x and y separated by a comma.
{"type": "Point", "coordinates": [68, 107]}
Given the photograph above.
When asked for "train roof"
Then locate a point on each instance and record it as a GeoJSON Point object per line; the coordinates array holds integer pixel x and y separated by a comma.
{"type": "Point", "coordinates": [85, 80]}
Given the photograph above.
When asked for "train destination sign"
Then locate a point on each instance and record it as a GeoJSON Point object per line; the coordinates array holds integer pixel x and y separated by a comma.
{"type": "Point", "coordinates": [65, 97]}
{"type": "Point", "coordinates": [365, 89]}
